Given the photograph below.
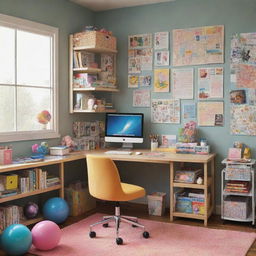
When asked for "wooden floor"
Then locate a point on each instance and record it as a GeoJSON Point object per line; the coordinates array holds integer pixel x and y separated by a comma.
{"type": "Point", "coordinates": [140, 211]}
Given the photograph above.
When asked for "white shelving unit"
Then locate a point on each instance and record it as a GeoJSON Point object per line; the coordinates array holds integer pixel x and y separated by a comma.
{"type": "Point", "coordinates": [238, 171]}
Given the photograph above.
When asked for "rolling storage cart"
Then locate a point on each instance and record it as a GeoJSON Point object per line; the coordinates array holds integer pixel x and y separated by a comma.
{"type": "Point", "coordinates": [238, 191]}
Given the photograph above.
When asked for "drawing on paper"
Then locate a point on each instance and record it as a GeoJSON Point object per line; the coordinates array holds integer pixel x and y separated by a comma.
{"type": "Point", "coordinates": [161, 80]}
{"type": "Point", "coordinates": [165, 111]}
{"type": "Point", "coordinates": [243, 120]}
{"type": "Point", "coordinates": [210, 83]}
{"type": "Point", "coordinates": [141, 98]}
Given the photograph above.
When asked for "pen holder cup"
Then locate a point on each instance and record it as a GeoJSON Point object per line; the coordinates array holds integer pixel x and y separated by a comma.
{"type": "Point", "coordinates": [154, 145]}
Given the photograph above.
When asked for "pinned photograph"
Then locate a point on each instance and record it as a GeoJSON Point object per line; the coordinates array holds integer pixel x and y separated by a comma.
{"type": "Point", "coordinates": [238, 97]}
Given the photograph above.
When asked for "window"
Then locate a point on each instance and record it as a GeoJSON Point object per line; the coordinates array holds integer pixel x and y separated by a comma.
{"type": "Point", "coordinates": [28, 80]}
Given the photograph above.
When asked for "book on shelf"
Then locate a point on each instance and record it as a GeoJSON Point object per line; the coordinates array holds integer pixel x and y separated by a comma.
{"type": "Point", "coordinates": [7, 193]}
{"type": "Point", "coordinates": [82, 59]}
{"type": "Point", "coordinates": [83, 80]}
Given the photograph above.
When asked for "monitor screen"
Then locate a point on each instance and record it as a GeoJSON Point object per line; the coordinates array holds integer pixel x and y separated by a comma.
{"type": "Point", "coordinates": [122, 127]}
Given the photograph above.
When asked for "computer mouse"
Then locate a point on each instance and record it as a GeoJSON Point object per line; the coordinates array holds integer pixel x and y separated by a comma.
{"type": "Point", "coordinates": [138, 153]}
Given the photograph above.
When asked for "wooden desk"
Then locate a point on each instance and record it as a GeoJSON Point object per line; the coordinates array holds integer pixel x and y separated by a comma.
{"type": "Point", "coordinates": [172, 159]}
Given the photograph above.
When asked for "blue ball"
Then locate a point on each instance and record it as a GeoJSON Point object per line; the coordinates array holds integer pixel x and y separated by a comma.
{"type": "Point", "coordinates": [16, 239]}
{"type": "Point", "coordinates": [56, 209]}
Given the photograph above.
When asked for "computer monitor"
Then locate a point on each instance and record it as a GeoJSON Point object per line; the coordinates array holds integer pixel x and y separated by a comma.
{"type": "Point", "coordinates": [125, 128]}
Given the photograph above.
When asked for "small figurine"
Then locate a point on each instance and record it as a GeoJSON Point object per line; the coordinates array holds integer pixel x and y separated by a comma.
{"type": "Point", "coordinates": [67, 141]}
{"type": "Point", "coordinates": [199, 181]}
{"type": "Point", "coordinates": [247, 153]}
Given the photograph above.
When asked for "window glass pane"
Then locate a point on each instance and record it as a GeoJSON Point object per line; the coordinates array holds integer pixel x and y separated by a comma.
{"type": "Point", "coordinates": [33, 59]}
{"type": "Point", "coordinates": [31, 102]}
{"type": "Point", "coordinates": [7, 55]}
{"type": "Point", "coordinates": [7, 108]}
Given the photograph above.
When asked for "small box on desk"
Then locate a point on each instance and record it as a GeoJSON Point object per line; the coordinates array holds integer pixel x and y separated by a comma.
{"type": "Point", "coordinates": [59, 150]}
{"type": "Point", "coordinates": [5, 156]}
{"type": "Point", "coordinates": [79, 200]}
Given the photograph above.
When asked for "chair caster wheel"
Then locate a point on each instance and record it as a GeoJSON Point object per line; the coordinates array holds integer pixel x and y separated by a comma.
{"type": "Point", "coordinates": [119, 241]}
{"type": "Point", "coordinates": [92, 234]}
{"type": "Point", "coordinates": [145, 234]}
{"type": "Point", "coordinates": [105, 225]}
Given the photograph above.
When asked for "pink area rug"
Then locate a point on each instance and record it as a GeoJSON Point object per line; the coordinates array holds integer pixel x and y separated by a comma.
{"type": "Point", "coordinates": [166, 239]}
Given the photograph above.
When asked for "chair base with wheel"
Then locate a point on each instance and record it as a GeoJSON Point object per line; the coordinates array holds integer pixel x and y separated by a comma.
{"type": "Point", "coordinates": [104, 183]}
{"type": "Point", "coordinates": [118, 219]}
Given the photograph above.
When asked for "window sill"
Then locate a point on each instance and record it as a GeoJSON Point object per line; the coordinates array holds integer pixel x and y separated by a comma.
{"type": "Point", "coordinates": [37, 135]}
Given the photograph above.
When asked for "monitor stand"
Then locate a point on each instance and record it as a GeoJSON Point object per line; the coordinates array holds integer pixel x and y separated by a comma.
{"type": "Point", "coordinates": [127, 146]}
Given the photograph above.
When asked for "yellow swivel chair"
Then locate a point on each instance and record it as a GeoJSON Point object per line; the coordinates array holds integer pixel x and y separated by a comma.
{"type": "Point", "coordinates": [105, 184]}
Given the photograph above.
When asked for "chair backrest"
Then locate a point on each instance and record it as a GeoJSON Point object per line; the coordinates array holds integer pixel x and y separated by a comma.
{"type": "Point", "coordinates": [103, 178]}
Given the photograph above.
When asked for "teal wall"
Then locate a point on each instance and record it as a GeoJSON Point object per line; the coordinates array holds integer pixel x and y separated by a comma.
{"type": "Point", "coordinates": [236, 15]}
{"type": "Point", "coordinates": [68, 18]}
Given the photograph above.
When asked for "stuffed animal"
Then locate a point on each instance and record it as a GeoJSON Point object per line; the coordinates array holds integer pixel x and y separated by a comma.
{"type": "Point", "coordinates": [67, 141]}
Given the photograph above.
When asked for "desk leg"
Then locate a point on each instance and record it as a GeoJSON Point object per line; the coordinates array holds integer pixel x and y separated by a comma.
{"type": "Point", "coordinates": [213, 185]}
{"type": "Point", "coordinates": [205, 193]}
{"type": "Point", "coordinates": [171, 191]}
{"type": "Point", "coordinates": [61, 175]}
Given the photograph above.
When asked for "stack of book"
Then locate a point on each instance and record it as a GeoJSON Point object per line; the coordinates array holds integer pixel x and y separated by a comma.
{"type": "Point", "coordinates": [11, 214]}
{"type": "Point", "coordinates": [238, 186]}
{"type": "Point", "coordinates": [52, 181]}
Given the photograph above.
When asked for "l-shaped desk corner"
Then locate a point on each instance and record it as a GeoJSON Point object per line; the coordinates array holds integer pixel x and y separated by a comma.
{"type": "Point", "coordinates": [172, 159]}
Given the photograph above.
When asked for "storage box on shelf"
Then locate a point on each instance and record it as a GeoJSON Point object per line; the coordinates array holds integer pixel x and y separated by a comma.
{"type": "Point", "coordinates": [238, 191]}
{"type": "Point", "coordinates": [92, 72]}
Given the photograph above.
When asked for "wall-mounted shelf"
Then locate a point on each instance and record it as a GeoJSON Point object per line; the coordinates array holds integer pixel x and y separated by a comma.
{"type": "Point", "coordinates": [81, 75]}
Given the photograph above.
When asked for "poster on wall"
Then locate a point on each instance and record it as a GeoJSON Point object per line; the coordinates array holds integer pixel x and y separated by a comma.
{"type": "Point", "coordinates": [161, 80]}
{"type": "Point", "coordinates": [133, 81]}
{"type": "Point", "coordinates": [188, 112]}
{"type": "Point", "coordinates": [243, 120]}
{"type": "Point", "coordinates": [210, 83]}
{"type": "Point", "coordinates": [140, 41]}
{"type": "Point", "coordinates": [145, 80]}
{"type": "Point", "coordinates": [243, 60]}
{"type": "Point", "coordinates": [161, 40]}
{"type": "Point", "coordinates": [183, 83]}
{"type": "Point", "coordinates": [196, 46]}
{"type": "Point", "coordinates": [139, 60]}
{"type": "Point", "coordinates": [165, 111]}
{"type": "Point", "coordinates": [141, 98]}
{"type": "Point", "coordinates": [210, 113]}
{"type": "Point", "coordinates": [162, 58]}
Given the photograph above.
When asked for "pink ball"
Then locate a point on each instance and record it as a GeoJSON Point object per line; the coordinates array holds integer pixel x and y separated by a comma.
{"type": "Point", "coordinates": [46, 235]}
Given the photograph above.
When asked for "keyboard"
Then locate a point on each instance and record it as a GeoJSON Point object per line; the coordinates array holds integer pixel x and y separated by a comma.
{"type": "Point", "coordinates": [118, 152]}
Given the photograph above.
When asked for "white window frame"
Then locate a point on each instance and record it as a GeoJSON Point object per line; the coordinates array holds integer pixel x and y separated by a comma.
{"type": "Point", "coordinates": [34, 27]}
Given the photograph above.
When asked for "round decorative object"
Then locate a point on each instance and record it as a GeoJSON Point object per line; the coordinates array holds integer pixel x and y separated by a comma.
{"type": "Point", "coordinates": [92, 234]}
{"type": "Point", "coordinates": [16, 239]}
{"type": "Point", "coordinates": [199, 181]}
{"type": "Point", "coordinates": [44, 117]}
{"type": "Point", "coordinates": [31, 210]}
{"type": "Point", "coordinates": [46, 235]}
{"type": "Point", "coordinates": [56, 209]}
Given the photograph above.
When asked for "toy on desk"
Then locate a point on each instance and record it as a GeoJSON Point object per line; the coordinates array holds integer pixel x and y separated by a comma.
{"type": "Point", "coordinates": [188, 133]}
{"type": "Point", "coordinates": [40, 150]}
{"type": "Point", "coordinates": [68, 141]}
{"type": "Point", "coordinates": [247, 153]}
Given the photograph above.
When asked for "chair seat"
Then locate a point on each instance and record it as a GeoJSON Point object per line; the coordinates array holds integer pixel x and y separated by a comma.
{"type": "Point", "coordinates": [131, 192]}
